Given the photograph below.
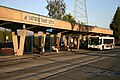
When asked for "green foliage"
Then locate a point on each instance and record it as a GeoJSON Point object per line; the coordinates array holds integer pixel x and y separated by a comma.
{"type": "Point", "coordinates": [115, 25]}
{"type": "Point", "coordinates": [2, 36]}
{"type": "Point", "coordinates": [56, 8]}
{"type": "Point", "coordinates": [117, 44]}
{"type": "Point", "coordinates": [69, 18]}
{"type": "Point", "coordinates": [9, 34]}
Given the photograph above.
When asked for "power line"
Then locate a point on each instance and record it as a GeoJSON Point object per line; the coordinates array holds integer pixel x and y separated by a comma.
{"type": "Point", "coordinates": [93, 12]}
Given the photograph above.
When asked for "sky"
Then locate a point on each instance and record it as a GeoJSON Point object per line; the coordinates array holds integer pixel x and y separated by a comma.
{"type": "Point", "coordinates": [99, 12]}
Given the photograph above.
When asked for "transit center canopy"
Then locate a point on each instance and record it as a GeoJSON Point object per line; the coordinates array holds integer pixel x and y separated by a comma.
{"type": "Point", "coordinates": [14, 19]}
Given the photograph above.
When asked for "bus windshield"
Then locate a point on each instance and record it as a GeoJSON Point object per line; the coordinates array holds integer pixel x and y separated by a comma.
{"type": "Point", "coordinates": [94, 41]}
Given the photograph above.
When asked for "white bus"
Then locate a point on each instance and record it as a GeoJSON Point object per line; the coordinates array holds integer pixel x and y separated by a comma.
{"type": "Point", "coordinates": [101, 43]}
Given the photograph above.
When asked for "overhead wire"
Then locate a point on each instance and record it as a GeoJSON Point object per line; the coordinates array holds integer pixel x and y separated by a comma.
{"type": "Point", "coordinates": [98, 11]}
{"type": "Point", "coordinates": [107, 11]}
{"type": "Point", "coordinates": [102, 11]}
{"type": "Point", "coordinates": [91, 9]}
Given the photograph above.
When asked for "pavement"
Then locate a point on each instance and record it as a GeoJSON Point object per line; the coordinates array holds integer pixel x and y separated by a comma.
{"type": "Point", "coordinates": [106, 69]}
{"type": "Point", "coordinates": [9, 58]}
{"type": "Point", "coordinates": [73, 65]}
{"type": "Point", "coordinates": [43, 66]}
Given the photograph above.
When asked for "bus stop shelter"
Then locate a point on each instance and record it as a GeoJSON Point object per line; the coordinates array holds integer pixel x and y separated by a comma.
{"type": "Point", "coordinates": [16, 19]}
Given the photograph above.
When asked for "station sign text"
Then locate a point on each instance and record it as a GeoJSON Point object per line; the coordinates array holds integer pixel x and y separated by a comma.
{"type": "Point", "coordinates": [38, 19]}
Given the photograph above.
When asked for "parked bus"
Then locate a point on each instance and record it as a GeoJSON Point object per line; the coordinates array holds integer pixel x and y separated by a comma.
{"type": "Point", "coordinates": [101, 43]}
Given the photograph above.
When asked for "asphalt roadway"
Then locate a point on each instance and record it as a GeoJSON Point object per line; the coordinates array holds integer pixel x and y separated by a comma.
{"type": "Point", "coordinates": [106, 69]}
{"type": "Point", "coordinates": [75, 65]}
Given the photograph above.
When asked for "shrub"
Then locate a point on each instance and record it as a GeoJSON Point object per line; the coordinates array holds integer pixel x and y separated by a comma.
{"type": "Point", "coordinates": [117, 44]}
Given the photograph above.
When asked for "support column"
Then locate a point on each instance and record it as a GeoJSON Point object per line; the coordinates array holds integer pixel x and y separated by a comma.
{"type": "Point", "coordinates": [22, 42]}
{"type": "Point", "coordinates": [84, 38]}
{"type": "Point", "coordinates": [58, 39]}
{"type": "Point", "coordinates": [43, 41]}
{"type": "Point", "coordinates": [64, 40]}
{"type": "Point", "coordinates": [69, 40]}
{"type": "Point", "coordinates": [15, 42]}
{"type": "Point", "coordinates": [88, 36]}
{"type": "Point", "coordinates": [80, 37]}
{"type": "Point", "coordinates": [75, 42]}
{"type": "Point", "coordinates": [36, 36]}
{"type": "Point", "coordinates": [51, 43]}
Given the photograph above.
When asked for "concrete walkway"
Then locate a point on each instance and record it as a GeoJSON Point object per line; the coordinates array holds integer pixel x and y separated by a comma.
{"type": "Point", "coordinates": [8, 58]}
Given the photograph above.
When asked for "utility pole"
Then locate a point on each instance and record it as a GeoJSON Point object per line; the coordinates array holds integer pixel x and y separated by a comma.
{"type": "Point", "coordinates": [80, 11]}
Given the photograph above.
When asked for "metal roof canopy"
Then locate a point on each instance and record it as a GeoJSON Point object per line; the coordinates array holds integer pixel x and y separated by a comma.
{"type": "Point", "coordinates": [14, 19]}
{"type": "Point", "coordinates": [14, 26]}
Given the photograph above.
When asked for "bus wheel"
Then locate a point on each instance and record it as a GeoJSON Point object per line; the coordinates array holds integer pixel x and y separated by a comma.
{"type": "Point", "coordinates": [102, 47]}
{"type": "Point", "coordinates": [111, 47]}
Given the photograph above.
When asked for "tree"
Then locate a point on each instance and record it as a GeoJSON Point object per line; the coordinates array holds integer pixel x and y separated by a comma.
{"type": "Point", "coordinates": [56, 8]}
{"type": "Point", "coordinates": [2, 35]}
{"type": "Point", "coordinates": [115, 25]}
{"type": "Point", "coordinates": [69, 18]}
